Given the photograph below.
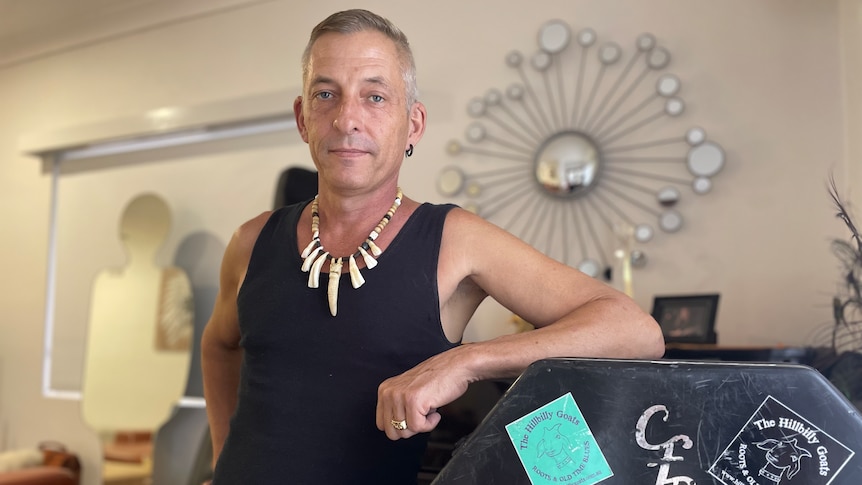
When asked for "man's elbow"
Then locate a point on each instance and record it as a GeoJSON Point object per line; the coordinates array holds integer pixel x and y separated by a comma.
{"type": "Point", "coordinates": [652, 340]}
{"type": "Point", "coordinates": [638, 335]}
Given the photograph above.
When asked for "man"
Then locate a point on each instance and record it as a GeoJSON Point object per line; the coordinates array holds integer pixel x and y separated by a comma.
{"type": "Point", "coordinates": [300, 367]}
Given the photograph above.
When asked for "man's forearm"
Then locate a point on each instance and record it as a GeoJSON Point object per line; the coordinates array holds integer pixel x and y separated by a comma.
{"type": "Point", "coordinates": [602, 328]}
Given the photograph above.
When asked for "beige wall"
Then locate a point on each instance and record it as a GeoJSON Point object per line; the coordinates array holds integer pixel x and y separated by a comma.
{"type": "Point", "coordinates": [851, 51]}
{"type": "Point", "coordinates": [771, 80]}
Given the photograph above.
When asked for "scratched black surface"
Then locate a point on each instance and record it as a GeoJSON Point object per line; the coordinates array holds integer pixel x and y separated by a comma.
{"type": "Point", "coordinates": [712, 403]}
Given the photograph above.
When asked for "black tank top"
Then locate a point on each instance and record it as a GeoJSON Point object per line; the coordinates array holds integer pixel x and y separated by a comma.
{"type": "Point", "coordinates": [308, 386]}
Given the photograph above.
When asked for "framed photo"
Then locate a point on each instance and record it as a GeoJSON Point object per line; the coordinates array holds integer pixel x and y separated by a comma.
{"type": "Point", "coordinates": [687, 318]}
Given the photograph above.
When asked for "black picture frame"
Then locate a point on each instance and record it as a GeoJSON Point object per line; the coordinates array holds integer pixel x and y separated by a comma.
{"type": "Point", "coordinates": [687, 318]}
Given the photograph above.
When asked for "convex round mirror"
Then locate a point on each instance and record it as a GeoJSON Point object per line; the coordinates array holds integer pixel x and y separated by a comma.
{"type": "Point", "coordinates": [568, 164]}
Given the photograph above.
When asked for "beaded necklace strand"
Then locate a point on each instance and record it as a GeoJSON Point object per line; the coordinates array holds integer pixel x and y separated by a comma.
{"type": "Point", "coordinates": [314, 255]}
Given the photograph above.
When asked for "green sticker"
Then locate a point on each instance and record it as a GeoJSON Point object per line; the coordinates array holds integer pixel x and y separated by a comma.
{"type": "Point", "coordinates": [555, 445]}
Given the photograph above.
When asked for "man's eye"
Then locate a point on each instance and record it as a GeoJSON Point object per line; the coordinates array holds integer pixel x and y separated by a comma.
{"type": "Point", "coordinates": [324, 95]}
{"type": "Point", "coordinates": [376, 98]}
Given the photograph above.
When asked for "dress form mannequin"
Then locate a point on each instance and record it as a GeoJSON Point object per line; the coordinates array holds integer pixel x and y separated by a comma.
{"type": "Point", "coordinates": [139, 334]}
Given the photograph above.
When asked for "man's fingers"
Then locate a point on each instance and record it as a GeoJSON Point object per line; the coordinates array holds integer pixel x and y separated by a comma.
{"type": "Point", "coordinates": [429, 422]}
{"type": "Point", "coordinates": [415, 424]}
{"type": "Point", "coordinates": [395, 411]}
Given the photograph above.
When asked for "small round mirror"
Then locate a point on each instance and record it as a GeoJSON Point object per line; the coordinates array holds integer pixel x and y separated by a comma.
{"type": "Point", "coordinates": [670, 221]}
{"type": "Point", "coordinates": [515, 92]}
{"type": "Point", "coordinates": [701, 185]}
{"type": "Point", "coordinates": [668, 196]}
{"type": "Point", "coordinates": [706, 159]}
{"type": "Point", "coordinates": [643, 232]}
{"type": "Point", "coordinates": [453, 147]}
{"type": "Point", "coordinates": [586, 37]}
{"type": "Point", "coordinates": [554, 36]}
{"type": "Point", "coordinates": [450, 181]}
{"type": "Point", "coordinates": [638, 259]}
{"type": "Point", "coordinates": [645, 42]}
{"type": "Point", "coordinates": [476, 107]}
{"type": "Point", "coordinates": [493, 97]}
{"type": "Point", "coordinates": [590, 267]}
{"type": "Point", "coordinates": [695, 136]}
{"type": "Point", "coordinates": [475, 132]}
{"type": "Point", "coordinates": [674, 106]}
{"type": "Point", "coordinates": [514, 59]}
{"type": "Point", "coordinates": [667, 85]}
{"type": "Point", "coordinates": [609, 53]}
{"type": "Point", "coordinates": [658, 58]}
{"type": "Point", "coordinates": [541, 61]}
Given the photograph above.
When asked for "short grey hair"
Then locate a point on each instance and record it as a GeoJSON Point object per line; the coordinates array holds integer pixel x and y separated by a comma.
{"type": "Point", "coordinates": [358, 20]}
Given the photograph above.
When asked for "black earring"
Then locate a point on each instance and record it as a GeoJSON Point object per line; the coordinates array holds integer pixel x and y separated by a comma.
{"type": "Point", "coordinates": [409, 150]}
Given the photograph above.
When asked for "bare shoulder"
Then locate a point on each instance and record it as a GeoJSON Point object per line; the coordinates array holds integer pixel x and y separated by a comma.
{"type": "Point", "coordinates": [472, 248]}
{"type": "Point", "coordinates": [242, 242]}
{"type": "Point", "coordinates": [246, 235]}
{"type": "Point", "coordinates": [465, 222]}
{"type": "Point", "coordinates": [472, 233]}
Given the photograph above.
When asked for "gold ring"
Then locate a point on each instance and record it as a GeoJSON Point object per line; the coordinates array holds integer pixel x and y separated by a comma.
{"type": "Point", "coordinates": [399, 425]}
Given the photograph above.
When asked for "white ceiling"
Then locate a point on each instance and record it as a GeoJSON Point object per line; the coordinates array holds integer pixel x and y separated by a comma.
{"type": "Point", "coordinates": [30, 29]}
{"type": "Point", "coordinates": [24, 21]}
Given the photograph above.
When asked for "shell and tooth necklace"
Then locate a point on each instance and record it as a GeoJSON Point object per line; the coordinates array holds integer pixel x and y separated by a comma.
{"type": "Point", "coordinates": [314, 256]}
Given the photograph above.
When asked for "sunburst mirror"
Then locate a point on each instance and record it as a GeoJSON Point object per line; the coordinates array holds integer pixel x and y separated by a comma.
{"type": "Point", "coordinates": [584, 153]}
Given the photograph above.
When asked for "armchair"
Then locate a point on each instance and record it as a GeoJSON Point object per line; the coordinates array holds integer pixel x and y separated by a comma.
{"type": "Point", "coordinates": [50, 464]}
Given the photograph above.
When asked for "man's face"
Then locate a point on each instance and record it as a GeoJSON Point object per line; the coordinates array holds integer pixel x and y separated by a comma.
{"type": "Point", "coordinates": [353, 112]}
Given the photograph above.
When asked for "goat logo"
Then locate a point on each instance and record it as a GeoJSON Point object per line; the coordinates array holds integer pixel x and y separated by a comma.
{"type": "Point", "coordinates": [783, 458]}
{"type": "Point", "coordinates": [555, 445]}
{"type": "Point", "coordinates": [777, 446]}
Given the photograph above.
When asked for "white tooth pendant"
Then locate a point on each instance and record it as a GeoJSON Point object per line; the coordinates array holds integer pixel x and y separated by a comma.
{"type": "Point", "coordinates": [374, 249]}
{"type": "Point", "coordinates": [370, 262]}
{"type": "Point", "coordinates": [307, 250]}
{"type": "Point", "coordinates": [309, 259]}
{"type": "Point", "coordinates": [356, 278]}
{"type": "Point", "coordinates": [314, 275]}
{"type": "Point", "coordinates": [332, 290]}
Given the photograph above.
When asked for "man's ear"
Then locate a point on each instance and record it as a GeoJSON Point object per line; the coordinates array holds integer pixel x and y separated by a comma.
{"type": "Point", "coordinates": [416, 123]}
{"type": "Point", "coordinates": [300, 119]}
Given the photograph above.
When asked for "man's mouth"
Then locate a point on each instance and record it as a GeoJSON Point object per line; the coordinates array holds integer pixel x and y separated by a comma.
{"type": "Point", "coordinates": [348, 152]}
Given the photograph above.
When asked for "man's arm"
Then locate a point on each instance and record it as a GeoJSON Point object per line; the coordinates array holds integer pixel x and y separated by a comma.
{"type": "Point", "coordinates": [575, 316]}
{"type": "Point", "coordinates": [221, 354]}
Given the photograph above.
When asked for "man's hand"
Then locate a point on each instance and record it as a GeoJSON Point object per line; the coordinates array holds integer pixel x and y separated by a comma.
{"type": "Point", "coordinates": [415, 395]}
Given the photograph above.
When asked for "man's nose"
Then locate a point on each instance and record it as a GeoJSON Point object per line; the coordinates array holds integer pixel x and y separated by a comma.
{"type": "Point", "coordinates": [349, 117]}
